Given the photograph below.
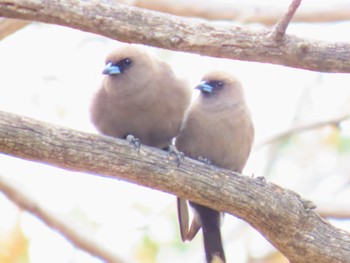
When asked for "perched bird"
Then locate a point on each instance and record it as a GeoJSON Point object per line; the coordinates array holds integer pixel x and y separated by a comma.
{"type": "Point", "coordinates": [139, 96]}
{"type": "Point", "coordinates": [217, 127]}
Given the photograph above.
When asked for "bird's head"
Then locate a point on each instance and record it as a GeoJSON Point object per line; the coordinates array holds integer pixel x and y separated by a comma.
{"type": "Point", "coordinates": [128, 67]}
{"type": "Point", "coordinates": [124, 59]}
{"type": "Point", "coordinates": [219, 85]}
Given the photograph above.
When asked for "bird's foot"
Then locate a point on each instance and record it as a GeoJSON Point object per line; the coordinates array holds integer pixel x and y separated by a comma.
{"type": "Point", "coordinates": [134, 141]}
{"type": "Point", "coordinates": [205, 160]}
{"type": "Point", "coordinates": [261, 180]}
{"type": "Point", "coordinates": [308, 205]}
{"type": "Point", "coordinates": [174, 152]}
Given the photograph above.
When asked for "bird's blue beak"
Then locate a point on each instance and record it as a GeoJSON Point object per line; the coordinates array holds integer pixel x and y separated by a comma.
{"type": "Point", "coordinates": [204, 87]}
{"type": "Point", "coordinates": [111, 69]}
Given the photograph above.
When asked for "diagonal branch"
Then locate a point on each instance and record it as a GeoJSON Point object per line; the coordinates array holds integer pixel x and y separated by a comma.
{"type": "Point", "coordinates": [335, 121]}
{"type": "Point", "coordinates": [130, 24]}
{"type": "Point", "coordinates": [78, 238]}
{"type": "Point", "coordinates": [281, 215]}
{"type": "Point", "coordinates": [10, 26]}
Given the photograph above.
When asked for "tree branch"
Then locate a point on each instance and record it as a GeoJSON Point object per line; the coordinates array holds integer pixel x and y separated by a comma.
{"type": "Point", "coordinates": [78, 238]}
{"type": "Point", "coordinates": [334, 211]}
{"type": "Point", "coordinates": [281, 215]}
{"type": "Point", "coordinates": [9, 26]}
{"type": "Point", "coordinates": [130, 24]}
{"type": "Point", "coordinates": [305, 127]}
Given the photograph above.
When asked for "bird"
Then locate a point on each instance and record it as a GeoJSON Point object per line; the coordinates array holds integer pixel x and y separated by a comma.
{"type": "Point", "coordinates": [218, 129]}
{"type": "Point", "coordinates": [141, 97]}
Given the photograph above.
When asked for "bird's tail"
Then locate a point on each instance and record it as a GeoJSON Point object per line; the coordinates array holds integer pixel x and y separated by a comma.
{"type": "Point", "coordinates": [214, 251]}
{"type": "Point", "coordinates": [210, 221]}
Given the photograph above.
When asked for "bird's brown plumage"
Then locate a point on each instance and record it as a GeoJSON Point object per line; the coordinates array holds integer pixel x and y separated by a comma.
{"type": "Point", "coordinates": [145, 100]}
{"type": "Point", "coordinates": [217, 127]}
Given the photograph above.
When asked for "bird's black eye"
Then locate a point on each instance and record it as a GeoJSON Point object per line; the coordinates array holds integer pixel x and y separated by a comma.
{"type": "Point", "coordinates": [217, 84]}
{"type": "Point", "coordinates": [124, 64]}
{"type": "Point", "coordinates": [127, 62]}
{"type": "Point", "coordinates": [220, 84]}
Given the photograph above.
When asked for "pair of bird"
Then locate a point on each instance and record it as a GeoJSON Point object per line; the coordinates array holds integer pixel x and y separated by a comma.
{"type": "Point", "coordinates": [141, 96]}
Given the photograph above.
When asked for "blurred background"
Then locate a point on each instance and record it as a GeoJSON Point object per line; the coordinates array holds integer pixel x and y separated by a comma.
{"type": "Point", "coordinates": [49, 73]}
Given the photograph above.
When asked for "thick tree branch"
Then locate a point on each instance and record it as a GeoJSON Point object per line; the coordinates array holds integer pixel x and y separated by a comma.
{"type": "Point", "coordinates": [78, 238]}
{"type": "Point", "coordinates": [130, 24]}
{"type": "Point", "coordinates": [244, 12]}
{"type": "Point", "coordinates": [281, 215]}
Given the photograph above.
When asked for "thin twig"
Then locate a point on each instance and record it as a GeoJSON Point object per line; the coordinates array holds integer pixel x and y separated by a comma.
{"type": "Point", "coordinates": [302, 128]}
{"type": "Point", "coordinates": [332, 211]}
{"type": "Point", "coordinates": [281, 26]}
{"type": "Point", "coordinates": [76, 237]}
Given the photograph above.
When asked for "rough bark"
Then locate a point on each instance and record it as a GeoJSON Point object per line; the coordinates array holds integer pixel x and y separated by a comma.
{"type": "Point", "coordinates": [282, 216]}
{"type": "Point", "coordinates": [222, 40]}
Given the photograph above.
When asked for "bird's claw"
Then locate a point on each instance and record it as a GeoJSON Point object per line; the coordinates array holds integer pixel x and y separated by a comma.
{"type": "Point", "coordinates": [179, 156]}
{"type": "Point", "coordinates": [134, 141]}
{"type": "Point", "coordinates": [308, 205]}
{"type": "Point", "coordinates": [205, 160]}
{"type": "Point", "coordinates": [261, 180]}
